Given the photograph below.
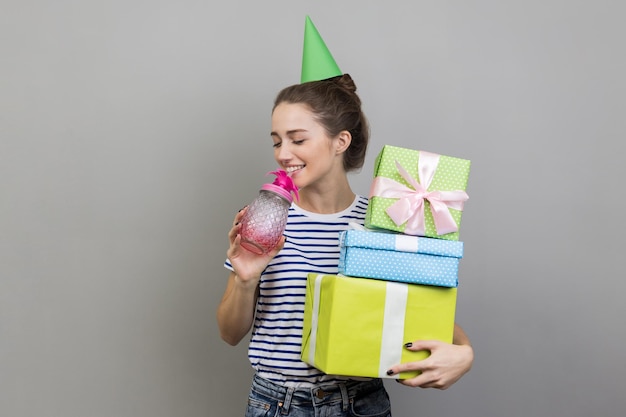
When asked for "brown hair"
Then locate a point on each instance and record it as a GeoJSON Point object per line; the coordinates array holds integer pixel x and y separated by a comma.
{"type": "Point", "coordinates": [337, 107]}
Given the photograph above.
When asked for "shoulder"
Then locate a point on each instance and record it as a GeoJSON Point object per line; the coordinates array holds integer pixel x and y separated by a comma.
{"type": "Point", "coordinates": [360, 203]}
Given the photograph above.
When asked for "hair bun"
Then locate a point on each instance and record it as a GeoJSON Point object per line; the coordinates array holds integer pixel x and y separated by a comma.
{"type": "Point", "coordinates": [345, 81]}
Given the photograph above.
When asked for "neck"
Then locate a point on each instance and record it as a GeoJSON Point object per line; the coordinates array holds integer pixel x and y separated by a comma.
{"type": "Point", "coordinates": [326, 200]}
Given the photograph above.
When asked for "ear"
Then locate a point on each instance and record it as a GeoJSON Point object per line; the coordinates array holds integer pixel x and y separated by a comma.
{"type": "Point", "coordinates": [343, 141]}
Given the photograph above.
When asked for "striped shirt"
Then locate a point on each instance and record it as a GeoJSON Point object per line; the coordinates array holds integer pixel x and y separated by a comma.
{"type": "Point", "coordinates": [312, 246]}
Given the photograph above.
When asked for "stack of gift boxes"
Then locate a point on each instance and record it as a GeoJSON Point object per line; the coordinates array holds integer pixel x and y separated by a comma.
{"type": "Point", "coordinates": [398, 276]}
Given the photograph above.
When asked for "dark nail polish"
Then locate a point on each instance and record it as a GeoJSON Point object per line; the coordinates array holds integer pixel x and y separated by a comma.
{"type": "Point", "coordinates": [408, 345]}
{"type": "Point", "coordinates": [390, 372]}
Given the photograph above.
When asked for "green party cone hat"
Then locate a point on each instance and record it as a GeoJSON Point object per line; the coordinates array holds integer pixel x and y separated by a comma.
{"type": "Point", "coordinates": [317, 61]}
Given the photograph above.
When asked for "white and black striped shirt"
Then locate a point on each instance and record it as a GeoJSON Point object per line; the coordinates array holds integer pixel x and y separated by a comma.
{"type": "Point", "coordinates": [312, 246]}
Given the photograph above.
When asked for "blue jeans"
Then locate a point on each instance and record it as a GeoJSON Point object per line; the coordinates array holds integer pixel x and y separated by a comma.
{"type": "Point", "coordinates": [351, 399]}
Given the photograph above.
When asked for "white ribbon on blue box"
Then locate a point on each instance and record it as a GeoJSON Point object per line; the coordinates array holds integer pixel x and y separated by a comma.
{"type": "Point", "coordinates": [399, 257]}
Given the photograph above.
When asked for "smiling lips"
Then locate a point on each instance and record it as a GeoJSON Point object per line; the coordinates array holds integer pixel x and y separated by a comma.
{"type": "Point", "coordinates": [293, 169]}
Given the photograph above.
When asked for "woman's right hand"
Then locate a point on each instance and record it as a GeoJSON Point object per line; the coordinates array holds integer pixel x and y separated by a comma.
{"type": "Point", "coordinates": [235, 313]}
{"type": "Point", "coordinates": [247, 265]}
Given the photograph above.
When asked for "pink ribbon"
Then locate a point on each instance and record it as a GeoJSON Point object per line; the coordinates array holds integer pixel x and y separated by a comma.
{"type": "Point", "coordinates": [410, 206]}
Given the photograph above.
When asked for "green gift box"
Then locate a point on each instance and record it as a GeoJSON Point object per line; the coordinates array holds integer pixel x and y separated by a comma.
{"type": "Point", "coordinates": [418, 193]}
{"type": "Point", "coordinates": [358, 326]}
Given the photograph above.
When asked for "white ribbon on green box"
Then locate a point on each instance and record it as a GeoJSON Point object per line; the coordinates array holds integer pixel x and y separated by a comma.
{"type": "Point", "coordinates": [391, 343]}
{"type": "Point", "coordinates": [358, 326]}
{"type": "Point", "coordinates": [314, 317]}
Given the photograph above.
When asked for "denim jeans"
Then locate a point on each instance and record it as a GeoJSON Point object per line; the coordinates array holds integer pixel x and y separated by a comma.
{"type": "Point", "coordinates": [351, 399]}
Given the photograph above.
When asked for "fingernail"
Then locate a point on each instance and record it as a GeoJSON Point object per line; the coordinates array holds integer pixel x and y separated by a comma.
{"type": "Point", "coordinates": [408, 345]}
{"type": "Point", "coordinates": [398, 381]}
{"type": "Point", "coordinates": [243, 207]}
{"type": "Point", "coordinates": [237, 224]}
{"type": "Point", "coordinates": [390, 372]}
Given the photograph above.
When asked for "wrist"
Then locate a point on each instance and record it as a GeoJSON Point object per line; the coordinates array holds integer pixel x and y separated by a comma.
{"type": "Point", "coordinates": [247, 283]}
{"type": "Point", "coordinates": [469, 355]}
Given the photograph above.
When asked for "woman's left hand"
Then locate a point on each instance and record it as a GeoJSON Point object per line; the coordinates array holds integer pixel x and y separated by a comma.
{"type": "Point", "coordinates": [446, 364]}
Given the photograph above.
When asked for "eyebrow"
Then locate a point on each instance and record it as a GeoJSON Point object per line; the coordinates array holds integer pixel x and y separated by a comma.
{"type": "Point", "coordinates": [289, 132]}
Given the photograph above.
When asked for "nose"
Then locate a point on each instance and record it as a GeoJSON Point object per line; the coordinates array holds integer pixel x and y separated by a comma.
{"type": "Point", "coordinates": [283, 154]}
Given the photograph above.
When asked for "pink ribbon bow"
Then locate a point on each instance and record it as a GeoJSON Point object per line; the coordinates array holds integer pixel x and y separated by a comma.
{"type": "Point", "coordinates": [410, 206]}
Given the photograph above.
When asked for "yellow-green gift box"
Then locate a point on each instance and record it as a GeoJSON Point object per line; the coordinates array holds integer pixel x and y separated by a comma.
{"type": "Point", "coordinates": [446, 174]}
{"type": "Point", "coordinates": [358, 326]}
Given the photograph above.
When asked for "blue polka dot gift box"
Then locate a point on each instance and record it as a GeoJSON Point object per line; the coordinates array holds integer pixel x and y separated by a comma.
{"type": "Point", "coordinates": [399, 257]}
{"type": "Point", "coordinates": [418, 193]}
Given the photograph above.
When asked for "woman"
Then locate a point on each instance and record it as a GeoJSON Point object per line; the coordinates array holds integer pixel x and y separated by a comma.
{"type": "Point", "coordinates": [319, 134]}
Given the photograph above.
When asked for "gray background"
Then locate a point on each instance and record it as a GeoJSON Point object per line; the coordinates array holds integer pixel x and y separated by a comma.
{"type": "Point", "coordinates": [132, 131]}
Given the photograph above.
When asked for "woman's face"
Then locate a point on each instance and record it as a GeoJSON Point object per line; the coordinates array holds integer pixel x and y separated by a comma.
{"type": "Point", "coordinates": [302, 146]}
